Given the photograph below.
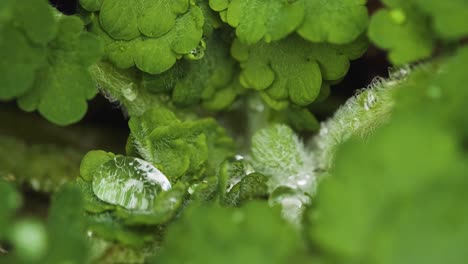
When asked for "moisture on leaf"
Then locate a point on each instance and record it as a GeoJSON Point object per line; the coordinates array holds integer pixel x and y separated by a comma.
{"type": "Point", "coordinates": [257, 20]}
{"type": "Point", "coordinates": [213, 79]}
{"type": "Point", "coordinates": [252, 186]}
{"type": "Point", "coordinates": [338, 21]}
{"type": "Point", "coordinates": [129, 182]}
{"type": "Point", "coordinates": [166, 205]}
{"type": "Point", "coordinates": [177, 148]}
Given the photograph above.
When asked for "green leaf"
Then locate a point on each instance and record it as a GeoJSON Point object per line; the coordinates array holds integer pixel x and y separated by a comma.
{"type": "Point", "coordinates": [257, 20]}
{"type": "Point", "coordinates": [404, 32]}
{"type": "Point", "coordinates": [107, 226]}
{"type": "Point", "coordinates": [338, 22]}
{"type": "Point", "coordinates": [246, 233]}
{"type": "Point", "coordinates": [213, 79]}
{"type": "Point", "coordinates": [188, 148]}
{"type": "Point", "coordinates": [252, 186]}
{"type": "Point", "coordinates": [129, 182]}
{"type": "Point", "coordinates": [45, 61]}
{"type": "Point", "coordinates": [266, 69]}
{"type": "Point", "coordinates": [277, 152]}
{"type": "Point", "coordinates": [92, 203]}
{"type": "Point", "coordinates": [165, 207]}
{"type": "Point", "coordinates": [134, 49]}
{"type": "Point", "coordinates": [91, 162]}
{"type": "Point", "coordinates": [372, 182]}
{"type": "Point", "coordinates": [91, 5]}
{"type": "Point", "coordinates": [430, 229]}
{"type": "Point", "coordinates": [448, 17]}
{"type": "Point", "coordinates": [69, 56]}
{"type": "Point", "coordinates": [66, 228]}
{"type": "Point", "coordinates": [20, 61]}
{"type": "Point", "coordinates": [128, 20]}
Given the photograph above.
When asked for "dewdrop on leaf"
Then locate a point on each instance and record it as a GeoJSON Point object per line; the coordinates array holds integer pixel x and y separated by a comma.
{"type": "Point", "coordinates": [129, 182]}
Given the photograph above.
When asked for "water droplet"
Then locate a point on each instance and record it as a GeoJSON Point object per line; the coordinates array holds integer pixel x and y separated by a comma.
{"type": "Point", "coordinates": [130, 186]}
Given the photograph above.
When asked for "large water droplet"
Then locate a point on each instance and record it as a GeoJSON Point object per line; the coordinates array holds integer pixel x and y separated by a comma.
{"type": "Point", "coordinates": [129, 182]}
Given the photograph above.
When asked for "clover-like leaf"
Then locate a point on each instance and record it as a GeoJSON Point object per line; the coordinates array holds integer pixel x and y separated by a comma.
{"type": "Point", "coordinates": [404, 32]}
{"type": "Point", "coordinates": [69, 55]}
{"type": "Point", "coordinates": [27, 28]}
{"type": "Point", "coordinates": [266, 67]}
{"type": "Point", "coordinates": [140, 50]}
{"type": "Point", "coordinates": [255, 20]}
{"type": "Point", "coordinates": [127, 20]}
{"type": "Point", "coordinates": [338, 22]}
{"type": "Point", "coordinates": [45, 60]}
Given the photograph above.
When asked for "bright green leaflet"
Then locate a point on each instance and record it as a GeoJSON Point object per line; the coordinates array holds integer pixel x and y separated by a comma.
{"type": "Point", "coordinates": [338, 21]}
{"type": "Point", "coordinates": [255, 20]}
{"type": "Point", "coordinates": [46, 60]}
{"type": "Point", "coordinates": [69, 55]}
{"type": "Point", "coordinates": [266, 67]}
{"type": "Point", "coordinates": [23, 43]}
{"type": "Point", "coordinates": [405, 33]}
{"type": "Point", "coordinates": [141, 51]}
{"type": "Point", "coordinates": [127, 20]}
{"type": "Point", "coordinates": [129, 182]}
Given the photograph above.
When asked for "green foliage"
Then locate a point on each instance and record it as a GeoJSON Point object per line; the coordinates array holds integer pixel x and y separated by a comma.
{"type": "Point", "coordinates": [252, 224]}
{"type": "Point", "coordinates": [260, 20]}
{"type": "Point", "coordinates": [410, 29]}
{"type": "Point", "coordinates": [395, 198]}
{"type": "Point", "coordinates": [135, 33]}
{"type": "Point", "coordinates": [269, 71]}
{"type": "Point", "coordinates": [188, 148]}
{"type": "Point", "coordinates": [45, 61]}
{"type": "Point", "coordinates": [382, 181]}
{"type": "Point", "coordinates": [278, 153]}
{"type": "Point", "coordinates": [326, 21]}
{"type": "Point", "coordinates": [211, 80]}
